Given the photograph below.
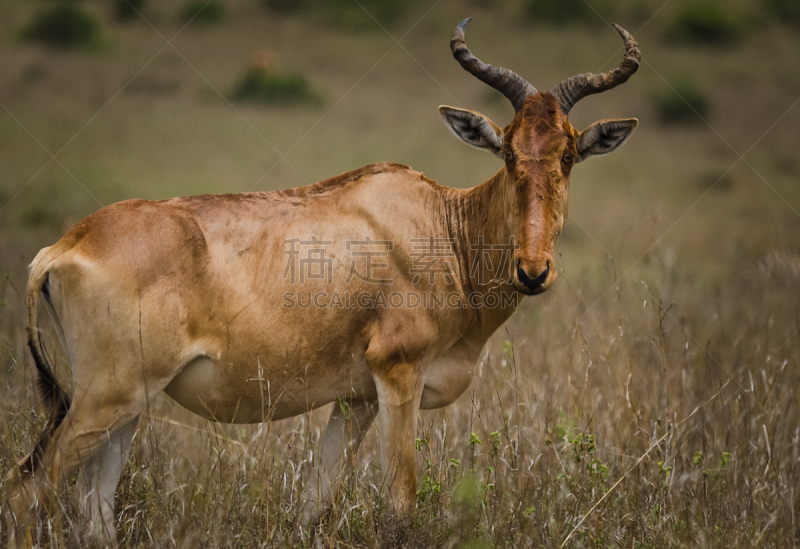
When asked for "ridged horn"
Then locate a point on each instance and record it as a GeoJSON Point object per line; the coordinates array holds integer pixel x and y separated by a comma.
{"type": "Point", "coordinates": [575, 88]}
{"type": "Point", "coordinates": [507, 82]}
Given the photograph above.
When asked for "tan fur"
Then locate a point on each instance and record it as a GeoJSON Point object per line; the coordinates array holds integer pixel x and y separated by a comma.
{"type": "Point", "coordinates": [184, 296]}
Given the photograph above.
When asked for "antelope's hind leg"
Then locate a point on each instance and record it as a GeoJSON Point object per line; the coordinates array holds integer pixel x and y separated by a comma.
{"type": "Point", "coordinates": [94, 436]}
{"type": "Point", "coordinates": [97, 483]}
{"type": "Point", "coordinates": [347, 426]}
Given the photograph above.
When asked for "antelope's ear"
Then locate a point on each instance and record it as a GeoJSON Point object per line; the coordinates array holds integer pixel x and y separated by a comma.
{"type": "Point", "coordinates": [474, 129]}
{"type": "Point", "coordinates": [603, 137]}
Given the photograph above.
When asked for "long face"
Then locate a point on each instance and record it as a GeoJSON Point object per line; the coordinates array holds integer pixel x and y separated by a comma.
{"type": "Point", "coordinates": [540, 152]}
{"type": "Point", "coordinates": [540, 148]}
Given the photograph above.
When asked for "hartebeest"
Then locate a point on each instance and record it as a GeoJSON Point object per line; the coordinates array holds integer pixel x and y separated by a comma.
{"type": "Point", "coordinates": [211, 299]}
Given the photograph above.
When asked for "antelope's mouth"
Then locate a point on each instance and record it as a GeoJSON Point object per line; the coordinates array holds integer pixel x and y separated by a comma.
{"type": "Point", "coordinates": [532, 285]}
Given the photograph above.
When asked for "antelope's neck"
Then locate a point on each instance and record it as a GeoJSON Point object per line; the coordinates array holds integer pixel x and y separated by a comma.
{"type": "Point", "coordinates": [484, 228]}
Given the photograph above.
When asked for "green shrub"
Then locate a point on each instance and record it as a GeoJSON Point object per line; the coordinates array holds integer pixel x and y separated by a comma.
{"type": "Point", "coordinates": [203, 11]}
{"type": "Point", "coordinates": [128, 10]}
{"type": "Point", "coordinates": [786, 10]}
{"type": "Point", "coordinates": [684, 106]}
{"type": "Point", "coordinates": [706, 22]}
{"type": "Point", "coordinates": [561, 12]}
{"type": "Point", "coordinates": [271, 86]}
{"type": "Point", "coordinates": [63, 26]}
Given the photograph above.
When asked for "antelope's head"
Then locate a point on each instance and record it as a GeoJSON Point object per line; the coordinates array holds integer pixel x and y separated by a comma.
{"type": "Point", "coordinates": [539, 148]}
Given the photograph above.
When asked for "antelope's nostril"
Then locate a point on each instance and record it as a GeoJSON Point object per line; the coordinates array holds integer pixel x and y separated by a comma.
{"type": "Point", "coordinates": [532, 283]}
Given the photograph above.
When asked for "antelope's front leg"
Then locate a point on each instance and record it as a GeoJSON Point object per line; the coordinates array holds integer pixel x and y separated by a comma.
{"type": "Point", "coordinates": [399, 391]}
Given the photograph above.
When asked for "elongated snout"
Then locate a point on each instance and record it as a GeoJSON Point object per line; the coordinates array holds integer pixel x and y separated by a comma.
{"type": "Point", "coordinates": [534, 276]}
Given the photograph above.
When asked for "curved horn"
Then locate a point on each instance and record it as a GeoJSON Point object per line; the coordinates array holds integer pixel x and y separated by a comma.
{"type": "Point", "coordinates": [575, 88]}
{"type": "Point", "coordinates": [510, 84]}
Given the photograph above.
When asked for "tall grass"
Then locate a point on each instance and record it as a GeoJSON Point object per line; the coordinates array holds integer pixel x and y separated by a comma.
{"type": "Point", "coordinates": [684, 417]}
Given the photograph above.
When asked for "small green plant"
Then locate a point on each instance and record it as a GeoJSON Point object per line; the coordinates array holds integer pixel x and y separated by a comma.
{"type": "Point", "coordinates": [344, 407]}
{"type": "Point", "coordinates": [683, 104]}
{"type": "Point", "coordinates": [63, 26]}
{"type": "Point", "coordinates": [557, 435]}
{"type": "Point", "coordinates": [494, 443]}
{"type": "Point", "coordinates": [706, 22]}
{"type": "Point", "coordinates": [508, 349]}
{"type": "Point", "coordinates": [128, 10]}
{"type": "Point", "coordinates": [716, 472]}
{"type": "Point", "coordinates": [473, 440]}
{"type": "Point", "coordinates": [429, 487]}
{"type": "Point", "coordinates": [584, 449]}
{"type": "Point", "coordinates": [276, 87]}
{"type": "Point", "coordinates": [467, 490]}
{"type": "Point", "coordinates": [528, 512]}
{"type": "Point", "coordinates": [203, 11]}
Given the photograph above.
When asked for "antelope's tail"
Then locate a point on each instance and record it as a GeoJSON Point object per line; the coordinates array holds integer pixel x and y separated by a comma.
{"type": "Point", "coordinates": [51, 392]}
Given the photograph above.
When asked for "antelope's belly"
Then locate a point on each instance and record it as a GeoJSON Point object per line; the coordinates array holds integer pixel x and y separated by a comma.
{"type": "Point", "coordinates": [225, 393]}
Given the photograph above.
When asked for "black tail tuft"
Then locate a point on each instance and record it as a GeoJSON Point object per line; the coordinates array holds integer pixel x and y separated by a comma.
{"type": "Point", "coordinates": [53, 396]}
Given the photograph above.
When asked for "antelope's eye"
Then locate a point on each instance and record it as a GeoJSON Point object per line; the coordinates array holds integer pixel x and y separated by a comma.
{"type": "Point", "coordinates": [509, 156]}
{"type": "Point", "coordinates": [568, 158]}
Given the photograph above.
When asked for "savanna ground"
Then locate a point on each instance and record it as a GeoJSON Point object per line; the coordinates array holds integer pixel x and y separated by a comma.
{"type": "Point", "coordinates": [650, 399]}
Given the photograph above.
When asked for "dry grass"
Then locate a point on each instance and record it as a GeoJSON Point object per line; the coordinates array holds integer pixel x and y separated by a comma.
{"type": "Point", "coordinates": [561, 409]}
{"type": "Point", "coordinates": [697, 310]}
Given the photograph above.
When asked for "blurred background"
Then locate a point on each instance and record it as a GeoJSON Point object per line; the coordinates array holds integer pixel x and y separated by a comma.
{"type": "Point", "coordinates": [160, 99]}
{"type": "Point", "coordinates": [679, 264]}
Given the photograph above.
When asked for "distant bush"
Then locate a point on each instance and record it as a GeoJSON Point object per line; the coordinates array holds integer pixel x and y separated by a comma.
{"type": "Point", "coordinates": [787, 10]}
{"type": "Point", "coordinates": [632, 11]}
{"type": "Point", "coordinates": [684, 106]}
{"type": "Point", "coordinates": [560, 12]}
{"type": "Point", "coordinates": [346, 14]}
{"type": "Point", "coordinates": [706, 22]}
{"type": "Point", "coordinates": [350, 15]}
{"type": "Point", "coordinates": [203, 11]}
{"type": "Point", "coordinates": [127, 10]}
{"type": "Point", "coordinates": [284, 6]}
{"type": "Point", "coordinates": [63, 26]}
{"type": "Point", "coordinates": [272, 86]}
